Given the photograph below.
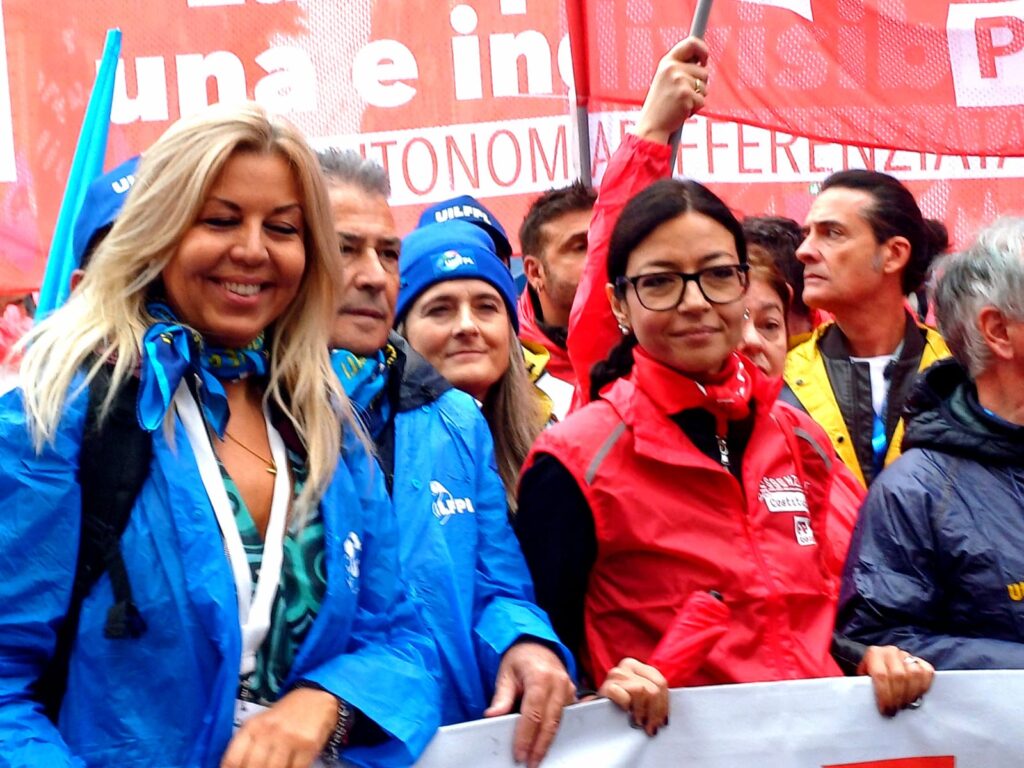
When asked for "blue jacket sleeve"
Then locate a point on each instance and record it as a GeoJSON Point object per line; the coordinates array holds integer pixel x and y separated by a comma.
{"type": "Point", "coordinates": [505, 610]}
{"type": "Point", "coordinates": [892, 591]}
{"type": "Point", "coordinates": [38, 549]}
{"type": "Point", "coordinates": [386, 671]}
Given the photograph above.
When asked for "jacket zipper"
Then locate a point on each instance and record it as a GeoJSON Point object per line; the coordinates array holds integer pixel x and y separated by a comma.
{"type": "Point", "coordinates": [781, 650]}
{"type": "Point", "coordinates": [723, 453]}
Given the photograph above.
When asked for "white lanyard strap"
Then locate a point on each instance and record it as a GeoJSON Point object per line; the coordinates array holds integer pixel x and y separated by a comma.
{"type": "Point", "coordinates": [254, 606]}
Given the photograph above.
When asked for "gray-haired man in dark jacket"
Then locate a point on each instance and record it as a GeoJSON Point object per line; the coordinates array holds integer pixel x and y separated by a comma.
{"type": "Point", "coordinates": [937, 561]}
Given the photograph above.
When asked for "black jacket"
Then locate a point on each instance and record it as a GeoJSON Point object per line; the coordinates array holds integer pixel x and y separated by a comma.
{"type": "Point", "coordinates": [936, 565]}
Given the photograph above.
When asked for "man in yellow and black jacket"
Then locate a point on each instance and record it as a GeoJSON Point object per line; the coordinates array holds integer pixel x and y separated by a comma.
{"type": "Point", "coordinates": [866, 247]}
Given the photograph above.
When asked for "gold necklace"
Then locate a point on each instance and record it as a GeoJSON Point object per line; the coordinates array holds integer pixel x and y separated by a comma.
{"type": "Point", "coordinates": [271, 466]}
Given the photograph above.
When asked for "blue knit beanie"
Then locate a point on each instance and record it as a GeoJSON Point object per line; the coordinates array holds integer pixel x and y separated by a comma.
{"type": "Point", "coordinates": [454, 250]}
{"type": "Point", "coordinates": [466, 208]}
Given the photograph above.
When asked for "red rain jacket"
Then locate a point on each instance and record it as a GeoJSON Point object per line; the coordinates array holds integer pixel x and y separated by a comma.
{"type": "Point", "coordinates": [670, 521]}
{"type": "Point", "coordinates": [529, 330]}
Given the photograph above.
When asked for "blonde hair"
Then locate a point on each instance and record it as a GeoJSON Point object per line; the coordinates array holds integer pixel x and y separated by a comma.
{"type": "Point", "coordinates": [106, 316]}
{"type": "Point", "coordinates": [514, 413]}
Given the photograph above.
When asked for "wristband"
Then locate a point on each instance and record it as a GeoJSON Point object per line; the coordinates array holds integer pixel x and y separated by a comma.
{"type": "Point", "coordinates": [339, 739]}
{"type": "Point", "coordinates": [342, 727]}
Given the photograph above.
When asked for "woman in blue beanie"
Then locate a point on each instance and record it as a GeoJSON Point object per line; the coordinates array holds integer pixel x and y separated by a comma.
{"type": "Point", "coordinates": [457, 308]}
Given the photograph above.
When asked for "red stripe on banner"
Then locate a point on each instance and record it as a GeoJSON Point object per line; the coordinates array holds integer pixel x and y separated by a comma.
{"type": "Point", "coordinates": [904, 762]}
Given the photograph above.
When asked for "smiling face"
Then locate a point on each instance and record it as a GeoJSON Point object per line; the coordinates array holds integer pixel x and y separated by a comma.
{"type": "Point", "coordinates": [368, 289]}
{"type": "Point", "coordinates": [240, 264]}
{"type": "Point", "coordinates": [696, 337]}
{"type": "Point", "coordinates": [462, 328]}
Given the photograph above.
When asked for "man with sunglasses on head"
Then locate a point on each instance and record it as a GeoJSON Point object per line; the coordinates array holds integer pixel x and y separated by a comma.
{"type": "Point", "coordinates": [937, 559]}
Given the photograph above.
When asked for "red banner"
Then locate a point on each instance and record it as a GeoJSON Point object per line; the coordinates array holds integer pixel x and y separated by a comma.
{"type": "Point", "coordinates": [453, 98]}
{"type": "Point", "coordinates": [475, 96]}
{"type": "Point", "coordinates": [759, 171]}
{"type": "Point", "coordinates": [926, 75]}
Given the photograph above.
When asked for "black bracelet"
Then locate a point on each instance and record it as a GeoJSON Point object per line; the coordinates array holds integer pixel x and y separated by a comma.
{"type": "Point", "coordinates": [339, 739]}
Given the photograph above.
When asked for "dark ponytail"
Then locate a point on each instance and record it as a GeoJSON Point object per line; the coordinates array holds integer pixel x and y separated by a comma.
{"type": "Point", "coordinates": [618, 364]}
{"type": "Point", "coordinates": [894, 212]}
{"type": "Point", "coordinates": [937, 239]}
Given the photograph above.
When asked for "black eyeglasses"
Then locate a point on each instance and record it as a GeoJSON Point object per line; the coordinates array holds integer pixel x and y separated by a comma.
{"type": "Point", "coordinates": [662, 291]}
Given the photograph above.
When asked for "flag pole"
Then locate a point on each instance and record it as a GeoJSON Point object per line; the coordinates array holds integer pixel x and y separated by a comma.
{"type": "Point", "coordinates": [580, 90]}
{"type": "Point", "coordinates": [698, 27]}
{"type": "Point", "coordinates": [86, 165]}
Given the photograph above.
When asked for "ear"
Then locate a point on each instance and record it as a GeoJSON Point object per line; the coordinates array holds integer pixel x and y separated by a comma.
{"type": "Point", "coordinates": [534, 272]}
{"type": "Point", "coordinates": [76, 278]}
{"type": "Point", "coordinates": [896, 254]}
{"type": "Point", "coordinates": [619, 306]}
{"type": "Point", "coordinates": [996, 332]}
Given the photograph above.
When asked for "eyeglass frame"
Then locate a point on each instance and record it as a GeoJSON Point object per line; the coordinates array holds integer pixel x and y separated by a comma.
{"type": "Point", "coordinates": [742, 269]}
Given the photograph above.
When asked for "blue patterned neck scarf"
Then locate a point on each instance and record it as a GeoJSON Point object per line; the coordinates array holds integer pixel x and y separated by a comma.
{"type": "Point", "coordinates": [170, 350]}
{"type": "Point", "coordinates": [364, 380]}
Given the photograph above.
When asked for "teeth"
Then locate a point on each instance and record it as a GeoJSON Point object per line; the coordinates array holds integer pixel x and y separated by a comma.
{"type": "Point", "coordinates": [242, 289]}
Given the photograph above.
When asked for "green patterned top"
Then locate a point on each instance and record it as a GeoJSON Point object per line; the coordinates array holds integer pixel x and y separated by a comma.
{"type": "Point", "coordinates": [299, 594]}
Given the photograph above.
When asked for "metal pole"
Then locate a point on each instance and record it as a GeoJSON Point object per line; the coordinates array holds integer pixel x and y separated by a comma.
{"type": "Point", "coordinates": [698, 27]}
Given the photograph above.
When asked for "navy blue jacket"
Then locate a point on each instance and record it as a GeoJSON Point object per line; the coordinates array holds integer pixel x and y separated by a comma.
{"type": "Point", "coordinates": [936, 565]}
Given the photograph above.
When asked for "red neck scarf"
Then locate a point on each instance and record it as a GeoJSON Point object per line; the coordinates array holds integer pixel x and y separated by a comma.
{"type": "Point", "coordinates": [726, 396]}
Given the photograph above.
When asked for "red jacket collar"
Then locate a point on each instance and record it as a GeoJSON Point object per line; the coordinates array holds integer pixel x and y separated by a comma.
{"type": "Point", "coordinates": [655, 436]}
{"type": "Point", "coordinates": [530, 330]}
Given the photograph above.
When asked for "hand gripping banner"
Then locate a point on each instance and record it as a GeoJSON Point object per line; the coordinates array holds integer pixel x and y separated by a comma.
{"type": "Point", "coordinates": [967, 720]}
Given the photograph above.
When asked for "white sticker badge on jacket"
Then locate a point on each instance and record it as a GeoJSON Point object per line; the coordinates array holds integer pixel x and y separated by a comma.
{"type": "Point", "coordinates": [353, 549]}
{"type": "Point", "coordinates": [783, 494]}
{"type": "Point", "coordinates": [804, 532]}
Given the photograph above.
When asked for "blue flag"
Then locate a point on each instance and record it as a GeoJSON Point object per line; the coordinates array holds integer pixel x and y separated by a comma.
{"type": "Point", "coordinates": [86, 166]}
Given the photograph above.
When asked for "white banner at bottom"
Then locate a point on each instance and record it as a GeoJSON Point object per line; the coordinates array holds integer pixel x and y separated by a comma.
{"type": "Point", "coordinates": [967, 720]}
